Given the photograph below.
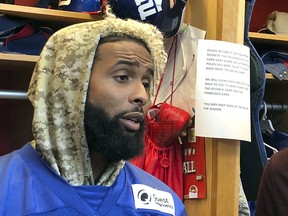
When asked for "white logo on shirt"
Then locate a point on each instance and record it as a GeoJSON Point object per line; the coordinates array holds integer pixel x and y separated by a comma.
{"type": "Point", "coordinates": [146, 197]}
{"type": "Point", "coordinates": [149, 8]}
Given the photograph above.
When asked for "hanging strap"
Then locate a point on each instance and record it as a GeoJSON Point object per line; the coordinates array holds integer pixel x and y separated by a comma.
{"type": "Point", "coordinates": [175, 39]}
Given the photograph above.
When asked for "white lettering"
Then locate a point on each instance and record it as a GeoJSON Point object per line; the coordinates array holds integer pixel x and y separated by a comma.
{"type": "Point", "coordinates": [148, 8]}
{"type": "Point", "coordinates": [188, 167]}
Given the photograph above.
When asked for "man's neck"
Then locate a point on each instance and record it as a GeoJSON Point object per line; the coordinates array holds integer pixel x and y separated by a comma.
{"type": "Point", "coordinates": [99, 164]}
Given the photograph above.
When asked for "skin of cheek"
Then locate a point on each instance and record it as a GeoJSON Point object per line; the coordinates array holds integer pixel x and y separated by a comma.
{"type": "Point", "coordinates": [146, 106]}
{"type": "Point", "coordinates": [112, 102]}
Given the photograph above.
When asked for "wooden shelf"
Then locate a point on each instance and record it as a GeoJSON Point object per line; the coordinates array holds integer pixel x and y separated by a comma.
{"type": "Point", "coordinates": [18, 57]}
{"type": "Point", "coordinates": [17, 62]}
{"type": "Point", "coordinates": [55, 18]}
{"type": "Point", "coordinates": [269, 40]}
{"type": "Point", "coordinates": [271, 78]}
{"type": "Point", "coordinates": [48, 15]}
{"type": "Point", "coordinates": [269, 37]}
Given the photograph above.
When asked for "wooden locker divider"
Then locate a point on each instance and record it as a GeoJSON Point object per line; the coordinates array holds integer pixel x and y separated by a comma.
{"type": "Point", "coordinates": [223, 20]}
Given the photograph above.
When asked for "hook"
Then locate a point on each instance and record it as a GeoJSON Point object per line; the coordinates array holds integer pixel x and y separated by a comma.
{"type": "Point", "coordinates": [266, 124]}
{"type": "Point", "coordinates": [264, 116]}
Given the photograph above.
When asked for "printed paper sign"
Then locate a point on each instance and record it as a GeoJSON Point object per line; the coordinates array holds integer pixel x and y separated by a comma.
{"type": "Point", "coordinates": [223, 90]}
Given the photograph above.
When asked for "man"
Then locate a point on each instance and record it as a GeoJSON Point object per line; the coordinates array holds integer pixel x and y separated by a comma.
{"type": "Point", "coordinates": [90, 90]}
{"type": "Point", "coordinates": [272, 195]}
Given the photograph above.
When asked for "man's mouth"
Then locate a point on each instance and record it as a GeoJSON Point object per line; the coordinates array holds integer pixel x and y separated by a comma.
{"type": "Point", "coordinates": [133, 120]}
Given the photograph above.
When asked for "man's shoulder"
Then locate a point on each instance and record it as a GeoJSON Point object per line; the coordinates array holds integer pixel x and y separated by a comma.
{"type": "Point", "coordinates": [10, 160]}
{"type": "Point", "coordinates": [143, 176]}
{"type": "Point", "coordinates": [139, 176]}
{"type": "Point", "coordinates": [12, 164]}
{"type": "Point", "coordinates": [145, 185]}
{"type": "Point", "coordinates": [15, 176]}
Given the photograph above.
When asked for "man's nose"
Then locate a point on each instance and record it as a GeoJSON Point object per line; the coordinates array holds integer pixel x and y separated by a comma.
{"type": "Point", "coordinates": [139, 95]}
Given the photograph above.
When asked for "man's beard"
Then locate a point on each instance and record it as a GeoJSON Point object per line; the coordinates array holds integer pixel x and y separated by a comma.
{"type": "Point", "coordinates": [109, 137]}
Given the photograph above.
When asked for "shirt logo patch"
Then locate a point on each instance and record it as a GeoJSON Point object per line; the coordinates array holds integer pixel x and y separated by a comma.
{"type": "Point", "coordinates": [146, 197]}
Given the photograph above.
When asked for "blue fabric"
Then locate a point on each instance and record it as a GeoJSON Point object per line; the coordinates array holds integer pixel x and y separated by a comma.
{"type": "Point", "coordinates": [92, 195]}
{"type": "Point", "coordinates": [22, 36]}
{"type": "Point", "coordinates": [276, 63]}
{"type": "Point", "coordinates": [277, 139]}
{"type": "Point", "coordinates": [29, 44]}
{"type": "Point", "coordinates": [82, 6]}
{"type": "Point", "coordinates": [253, 157]}
{"type": "Point", "coordinates": [29, 187]}
{"type": "Point", "coordinates": [252, 206]}
{"type": "Point", "coordinates": [8, 23]}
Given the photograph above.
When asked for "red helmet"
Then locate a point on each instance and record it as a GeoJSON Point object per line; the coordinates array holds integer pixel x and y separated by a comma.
{"type": "Point", "coordinates": [167, 15]}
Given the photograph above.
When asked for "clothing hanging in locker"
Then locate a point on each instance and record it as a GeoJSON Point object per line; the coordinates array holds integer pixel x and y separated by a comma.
{"type": "Point", "coordinates": [272, 138]}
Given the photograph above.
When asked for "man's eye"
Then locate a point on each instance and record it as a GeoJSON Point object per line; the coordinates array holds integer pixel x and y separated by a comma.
{"type": "Point", "coordinates": [146, 85]}
{"type": "Point", "coordinates": [122, 78]}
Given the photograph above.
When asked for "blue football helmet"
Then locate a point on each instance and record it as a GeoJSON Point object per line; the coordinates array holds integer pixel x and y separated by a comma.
{"type": "Point", "coordinates": [167, 15]}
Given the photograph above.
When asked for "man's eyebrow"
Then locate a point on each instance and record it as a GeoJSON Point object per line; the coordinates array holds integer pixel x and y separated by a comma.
{"type": "Point", "coordinates": [150, 70]}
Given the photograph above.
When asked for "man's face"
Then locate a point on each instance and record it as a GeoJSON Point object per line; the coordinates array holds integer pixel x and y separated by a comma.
{"type": "Point", "coordinates": [118, 91]}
